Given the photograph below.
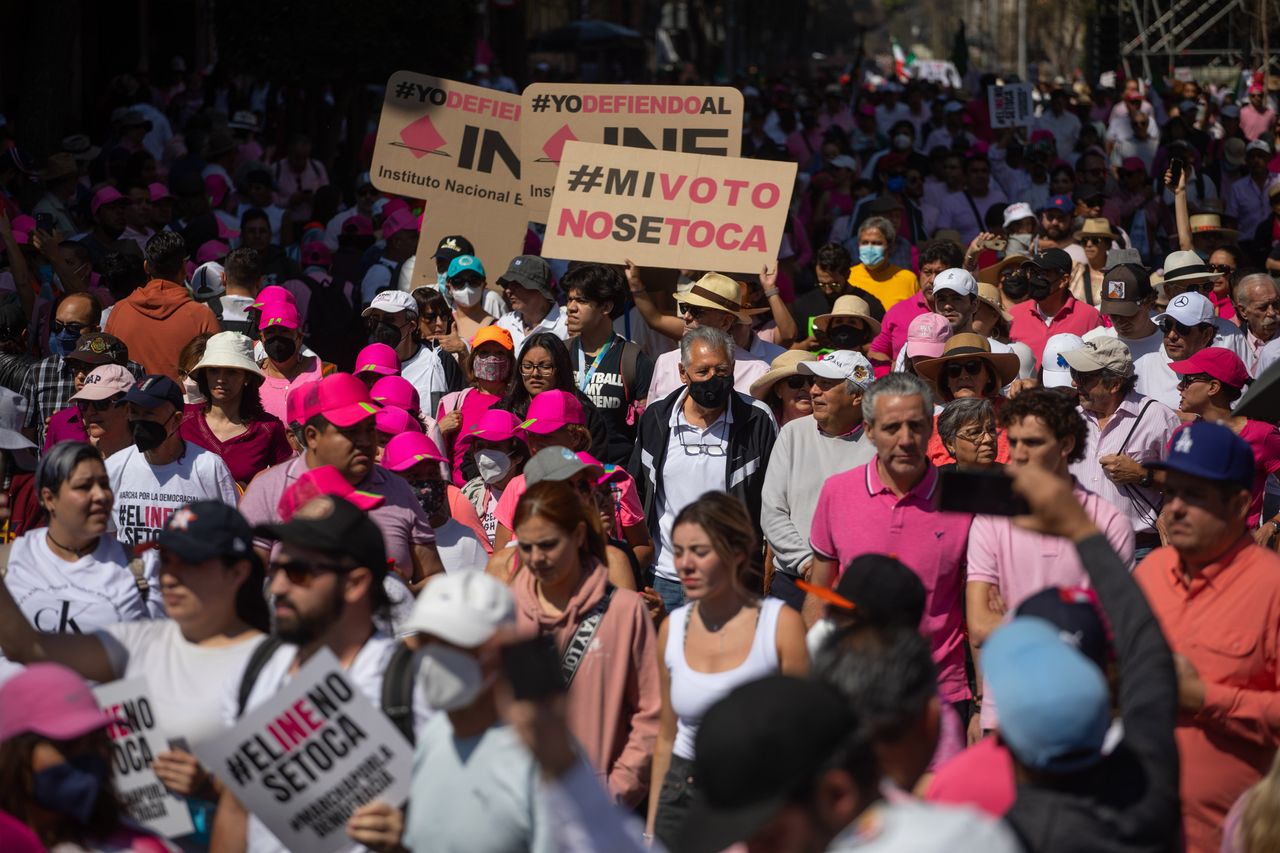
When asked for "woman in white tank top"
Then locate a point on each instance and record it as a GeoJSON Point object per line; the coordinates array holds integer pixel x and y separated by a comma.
{"type": "Point", "coordinates": [725, 636]}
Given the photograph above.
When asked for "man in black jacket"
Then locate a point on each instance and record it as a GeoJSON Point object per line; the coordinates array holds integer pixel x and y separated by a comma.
{"type": "Point", "coordinates": [707, 437]}
{"type": "Point", "coordinates": [1126, 800]}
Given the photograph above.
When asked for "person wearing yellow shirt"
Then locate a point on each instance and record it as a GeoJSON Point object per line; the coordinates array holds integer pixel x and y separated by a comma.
{"type": "Point", "coordinates": [888, 283]}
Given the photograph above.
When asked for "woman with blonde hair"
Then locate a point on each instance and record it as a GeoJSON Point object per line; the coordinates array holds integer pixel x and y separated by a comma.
{"type": "Point", "coordinates": [1253, 824]}
{"type": "Point", "coordinates": [726, 635]}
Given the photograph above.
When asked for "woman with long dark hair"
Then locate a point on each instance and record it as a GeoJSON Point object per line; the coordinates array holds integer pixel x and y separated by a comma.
{"type": "Point", "coordinates": [543, 365]}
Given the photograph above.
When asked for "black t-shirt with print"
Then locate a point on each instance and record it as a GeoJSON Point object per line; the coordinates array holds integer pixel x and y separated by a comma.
{"type": "Point", "coordinates": [612, 394]}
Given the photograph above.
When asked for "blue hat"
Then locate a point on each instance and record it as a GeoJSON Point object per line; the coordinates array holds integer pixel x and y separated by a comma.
{"type": "Point", "coordinates": [150, 391]}
{"type": "Point", "coordinates": [465, 263]}
{"type": "Point", "coordinates": [206, 529]}
{"type": "Point", "coordinates": [1212, 452]}
{"type": "Point", "coordinates": [1053, 701]}
{"type": "Point", "coordinates": [1062, 203]}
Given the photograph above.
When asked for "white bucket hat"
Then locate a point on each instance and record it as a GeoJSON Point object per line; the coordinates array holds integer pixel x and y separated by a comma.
{"type": "Point", "coordinates": [229, 349]}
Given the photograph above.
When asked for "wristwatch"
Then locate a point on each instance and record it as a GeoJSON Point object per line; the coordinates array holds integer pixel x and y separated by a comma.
{"type": "Point", "coordinates": [1148, 478]}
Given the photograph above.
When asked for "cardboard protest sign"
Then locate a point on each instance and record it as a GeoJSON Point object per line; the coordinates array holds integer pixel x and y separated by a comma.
{"type": "Point", "coordinates": [1010, 106]}
{"type": "Point", "coordinates": [305, 760]}
{"type": "Point", "coordinates": [664, 209]}
{"type": "Point", "coordinates": [691, 119]}
{"type": "Point", "coordinates": [135, 742]}
{"type": "Point", "coordinates": [456, 147]}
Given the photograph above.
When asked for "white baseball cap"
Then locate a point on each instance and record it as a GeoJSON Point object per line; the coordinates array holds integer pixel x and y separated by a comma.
{"type": "Point", "coordinates": [841, 364]}
{"type": "Point", "coordinates": [464, 608]}
{"type": "Point", "coordinates": [1056, 372]}
{"type": "Point", "coordinates": [957, 281]}
{"type": "Point", "coordinates": [1189, 309]}
{"type": "Point", "coordinates": [392, 302]}
{"type": "Point", "coordinates": [1018, 212]}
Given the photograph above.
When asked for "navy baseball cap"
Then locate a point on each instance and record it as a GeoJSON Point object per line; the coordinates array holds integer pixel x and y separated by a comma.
{"type": "Point", "coordinates": [1055, 708]}
{"type": "Point", "coordinates": [206, 529]}
{"type": "Point", "coordinates": [1210, 451]}
{"type": "Point", "coordinates": [1074, 611]}
{"type": "Point", "coordinates": [1061, 203]}
{"type": "Point", "coordinates": [150, 391]}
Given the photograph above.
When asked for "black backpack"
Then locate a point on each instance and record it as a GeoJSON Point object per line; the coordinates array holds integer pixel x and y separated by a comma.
{"type": "Point", "coordinates": [334, 328]}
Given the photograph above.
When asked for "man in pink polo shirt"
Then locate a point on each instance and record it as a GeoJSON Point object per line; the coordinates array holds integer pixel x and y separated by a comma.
{"type": "Point", "coordinates": [1051, 310]}
{"type": "Point", "coordinates": [887, 507]}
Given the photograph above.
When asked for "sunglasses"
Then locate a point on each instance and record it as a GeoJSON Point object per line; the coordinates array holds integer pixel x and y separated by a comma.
{"type": "Point", "coordinates": [460, 281]}
{"type": "Point", "coordinates": [1169, 325]}
{"type": "Point", "coordinates": [972, 367]}
{"type": "Point", "coordinates": [432, 316]}
{"type": "Point", "coordinates": [1091, 240]}
{"type": "Point", "coordinates": [1192, 379]}
{"type": "Point", "coordinates": [101, 405]}
{"type": "Point", "coordinates": [696, 312]}
{"type": "Point", "coordinates": [1222, 269]}
{"type": "Point", "coordinates": [797, 383]}
{"type": "Point", "coordinates": [58, 327]}
{"type": "Point", "coordinates": [300, 572]}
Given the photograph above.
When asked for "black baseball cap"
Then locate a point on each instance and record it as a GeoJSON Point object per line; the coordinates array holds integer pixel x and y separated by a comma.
{"type": "Point", "coordinates": [1124, 288]}
{"type": "Point", "coordinates": [452, 246]}
{"type": "Point", "coordinates": [754, 749]}
{"type": "Point", "coordinates": [333, 526]}
{"type": "Point", "coordinates": [1052, 259]}
{"type": "Point", "coordinates": [206, 529]}
{"type": "Point", "coordinates": [1075, 612]}
{"type": "Point", "coordinates": [150, 391]}
{"type": "Point", "coordinates": [880, 589]}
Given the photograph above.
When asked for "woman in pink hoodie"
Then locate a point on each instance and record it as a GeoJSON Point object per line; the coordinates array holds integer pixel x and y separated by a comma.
{"type": "Point", "coordinates": [604, 635]}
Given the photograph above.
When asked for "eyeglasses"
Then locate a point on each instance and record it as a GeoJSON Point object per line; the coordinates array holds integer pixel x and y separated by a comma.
{"type": "Point", "coordinates": [540, 369]}
{"type": "Point", "coordinates": [972, 367]}
{"type": "Point", "coordinates": [1192, 378]}
{"type": "Point", "coordinates": [1092, 240]}
{"type": "Point", "coordinates": [976, 434]}
{"type": "Point", "coordinates": [1222, 269]}
{"type": "Point", "coordinates": [101, 405]}
{"type": "Point", "coordinates": [300, 572]}
{"type": "Point", "coordinates": [701, 447]}
{"type": "Point", "coordinates": [58, 327]}
{"type": "Point", "coordinates": [1168, 325]}
{"type": "Point", "coordinates": [797, 383]}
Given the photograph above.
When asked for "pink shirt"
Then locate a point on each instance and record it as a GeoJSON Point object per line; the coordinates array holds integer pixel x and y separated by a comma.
{"type": "Point", "coordinates": [893, 330]}
{"type": "Point", "coordinates": [274, 390]}
{"type": "Point", "coordinates": [1265, 441]}
{"type": "Point", "coordinates": [64, 425]}
{"type": "Point", "coordinates": [472, 403]}
{"type": "Point", "coordinates": [1253, 123]}
{"type": "Point", "coordinates": [857, 514]}
{"type": "Point", "coordinates": [1032, 328]}
{"type": "Point", "coordinates": [981, 776]}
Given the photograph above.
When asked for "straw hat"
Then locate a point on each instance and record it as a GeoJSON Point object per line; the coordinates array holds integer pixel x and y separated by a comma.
{"type": "Point", "coordinates": [849, 306]}
{"type": "Point", "coordinates": [229, 349]}
{"type": "Point", "coordinates": [989, 294]}
{"type": "Point", "coordinates": [1211, 223]}
{"type": "Point", "coordinates": [991, 274]}
{"type": "Point", "coordinates": [716, 292]}
{"type": "Point", "coordinates": [966, 346]}
{"type": "Point", "coordinates": [1098, 227]}
{"type": "Point", "coordinates": [783, 367]}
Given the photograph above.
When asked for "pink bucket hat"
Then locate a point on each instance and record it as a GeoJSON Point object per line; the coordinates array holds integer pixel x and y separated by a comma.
{"type": "Point", "coordinates": [927, 336]}
{"type": "Point", "coordinates": [552, 410]}
{"type": "Point", "coordinates": [396, 391]}
{"type": "Point", "coordinates": [325, 480]}
{"type": "Point", "coordinates": [49, 700]}
{"type": "Point", "coordinates": [343, 400]}
{"type": "Point", "coordinates": [378, 358]}
{"type": "Point", "coordinates": [393, 421]}
{"type": "Point", "coordinates": [408, 449]}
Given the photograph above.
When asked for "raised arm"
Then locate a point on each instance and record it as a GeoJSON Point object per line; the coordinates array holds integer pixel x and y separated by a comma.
{"type": "Point", "coordinates": [665, 324]}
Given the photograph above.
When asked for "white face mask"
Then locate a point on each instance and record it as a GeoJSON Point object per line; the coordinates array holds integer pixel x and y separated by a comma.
{"type": "Point", "coordinates": [191, 392]}
{"type": "Point", "coordinates": [450, 678]}
{"type": "Point", "coordinates": [467, 296]}
{"type": "Point", "coordinates": [902, 141]}
{"type": "Point", "coordinates": [1019, 244]}
{"type": "Point", "coordinates": [493, 465]}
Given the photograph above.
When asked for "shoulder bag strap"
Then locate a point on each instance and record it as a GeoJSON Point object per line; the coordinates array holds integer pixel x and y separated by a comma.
{"type": "Point", "coordinates": [253, 669]}
{"type": "Point", "coordinates": [397, 690]}
{"type": "Point", "coordinates": [581, 639]}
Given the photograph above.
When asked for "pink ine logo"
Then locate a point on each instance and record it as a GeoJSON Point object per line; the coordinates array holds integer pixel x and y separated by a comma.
{"type": "Point", "coordinates": [422, 138]}
{"type": "Point", "coordinates": [555, 145]}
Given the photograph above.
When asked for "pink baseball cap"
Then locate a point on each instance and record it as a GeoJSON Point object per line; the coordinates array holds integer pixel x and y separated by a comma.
{"type": "Point", "coordinates": [325, 480]}
{"type": "Point", "coordinates": [393, 421]}
{"type": "Point", "coordinates": [378, 358]}
{"type": "Point", "coordinates": [396, 391]}
{"type": "Point", "coordinates": [497, 425]}
{"type": "Point", "coordinates": [104, 382]}
{"type": "Point", "coordinates": [277, 313]}
{"type": "Point", "coordinates": [158, 192]}
{"type": "Point", "coordinates": [607, 472]}
{"type": "Point", "coordinates": [927, 336]}
{"type": "Point", "coordinates": [390, 206]}
{"type": "Point", "coordinates": [52, 701]}
{"type": "Point", "coordinates": [1133, 164]}
{"type": "Point", "coordinates": [274, 293]}
{"type": "Point", "coordinates": [552, 410]}
{"type": "Point", "coordinates": [343, 400]}
{"type": "Point", "coordinates": [211, 250]}
{"type": "Point", "coordinates": [106, 195]}
{"type": "Point", "coordinates": [300, 404]}
{"type": "Point", "coordinates": [408, 449]}
{"type": "Point", "coordinates": [316, 254]}
{"type": "Point", "coordinates": [359, 225]}
{"type": "Point", "coordinates": [22, 222]}
{"type": "Point", "coordinates": [1222, 364]}
{"type": "Point", "coordinates": [401, 220]}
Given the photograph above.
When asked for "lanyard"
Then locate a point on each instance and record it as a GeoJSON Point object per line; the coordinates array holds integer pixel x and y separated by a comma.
{"type": "Point", "coordinates": [595, 365]}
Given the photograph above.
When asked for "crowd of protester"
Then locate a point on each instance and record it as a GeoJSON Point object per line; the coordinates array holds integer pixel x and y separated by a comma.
{"type": "Point", "coordinates": [233, 435]}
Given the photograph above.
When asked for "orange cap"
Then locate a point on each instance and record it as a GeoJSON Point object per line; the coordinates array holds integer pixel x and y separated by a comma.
{"type": "Point", "coordinates": [493, 334]}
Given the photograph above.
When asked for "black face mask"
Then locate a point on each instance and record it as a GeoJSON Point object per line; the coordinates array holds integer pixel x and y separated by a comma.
{"type": "Point", "coordinates": [280, 349]}
{"type": "Point", "coordinates": [1015, 286]}
{"type": "Point", "coordinates": [431, 495]}
{"type": "Point", "coordinates": [385, 333]}
{"type": "Point", "coordinates": [147, 435]}
{"type": "Point", "coordinates": [1038, 287]}
{"type": "Point", "coordinates": [846, 337]}
{"type": "Point", "coordinates": [711, 393]}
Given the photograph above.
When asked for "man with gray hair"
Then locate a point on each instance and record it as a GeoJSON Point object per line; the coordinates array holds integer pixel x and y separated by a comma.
{"type": "Point", "coordinates": [705, 437]}
{"type": "Point", "coordinates": [809, 450]}
{"type": "Point", "coordinates": [1258, 304]}
{"type": "Point", "coordinates": [887, 507]}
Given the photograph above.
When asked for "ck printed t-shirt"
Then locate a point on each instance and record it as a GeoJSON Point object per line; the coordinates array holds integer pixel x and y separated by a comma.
{"type": "Point", "coordinates": [147, 495]}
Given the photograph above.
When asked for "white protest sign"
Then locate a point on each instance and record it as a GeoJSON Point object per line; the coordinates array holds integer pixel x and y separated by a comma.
{"type": "Point", "coordinates": [135, 742]}
{"type": "Point", "coordinates": [305, 760]}
{"type": "Point", "coordinates": [1010, 106]}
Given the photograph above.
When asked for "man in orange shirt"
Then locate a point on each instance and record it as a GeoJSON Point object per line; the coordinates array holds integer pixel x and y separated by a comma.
{"type": "Point", "coordinates": [1217, 596]}
{"type": "Point", "coordinates": [158, 320]}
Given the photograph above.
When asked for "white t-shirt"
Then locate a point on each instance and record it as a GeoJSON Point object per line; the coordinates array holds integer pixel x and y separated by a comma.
{"type": "Point", "coordinates": [554, 323]}
{"type": "Point", "coordinates": [426, 373]}
{"type": "Point", "coordinates": [186, 679]}
{"type": "Point", "coordinates": [460, 550]}
{"type": "Point", "coordinates": [58, 597]}
{"type": "Point", "coordinates": [365, 672]}
{"type": "Point", "coordinates": [147, 495]}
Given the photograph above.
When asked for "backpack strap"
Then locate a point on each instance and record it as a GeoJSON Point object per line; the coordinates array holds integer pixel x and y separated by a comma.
{"type": "Point", "coordinates": [581, 639]}
{"type": "Point", "coordinates": [397, 690]}
{"type": "Point", "coordinates": [140, 578]}
{"type": "Point", "coordinates": [253, 669]}
{"type": "Point", "coordinates": [630, 355]}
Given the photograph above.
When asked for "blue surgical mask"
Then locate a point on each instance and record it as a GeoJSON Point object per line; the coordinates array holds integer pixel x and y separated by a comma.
{"type": "Point", "coordinates": [71, 789]}
{"type": "Point", "coordinates": [63, 343]}
{"type": "Point", "coordinates": [44, 273]}
{"type": "Point", "coordinates": [896, 185]}
{"type": "Point", "coordinates": [871, 255]}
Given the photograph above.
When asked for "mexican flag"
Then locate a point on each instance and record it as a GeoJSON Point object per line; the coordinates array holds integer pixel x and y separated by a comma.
{"type": "Point", "coordinates": [902, 62]}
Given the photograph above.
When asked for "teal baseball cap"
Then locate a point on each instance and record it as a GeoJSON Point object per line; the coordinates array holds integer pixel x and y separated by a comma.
{"type": "Point", "coordinates": [465, 263]}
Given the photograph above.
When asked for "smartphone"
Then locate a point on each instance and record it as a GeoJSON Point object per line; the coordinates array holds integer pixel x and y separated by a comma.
{"type": "Point", "coordinates": [533, 668]}
{"type": "Point", "coordinates": [981, 492]}
{"type": "Point", "coordinates": [44, 222]}
{"type": "Point", "coordinates": [1175, 171]}
{"type": "Point", "coordinates": [995, 244]}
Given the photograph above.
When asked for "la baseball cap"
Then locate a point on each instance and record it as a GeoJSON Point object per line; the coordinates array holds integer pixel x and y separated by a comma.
{"type": "Point", "coordinates": [497, 425]}
{"type": "Point", "coordinates": [273, 293]}
{"type": "Point", "coordinates": [1124, 288]}
{"type": "Point", "coordinates": [1102, 353]}
{"type": "Point", "coordinates": [1212, 452]}
{"type": "Point", "coordinates": [840, 364]}
{"type": "Point", "coordinates": [300, 404]}
{"type": "Point", "coordinates": [400, 220]}
{"type": "Point", "coordinates": [391, 420]}
{"type": "Point", "coordinates": [396, 391]}
{"type": "Point", "coordinates": [343, 400]}
{"type": "Point", "coordinates": [1220, 363]}
{"type": "Point", "coordinates": [462, 608]}
{"type": "Point", "coordinates": [335, 526]}
{"type": "Point", "coordinates": [956, 280]}
{"type": "Point", "coordinates": [552, 410]}
{"type": "Point", "coordinates": [1017, 212]}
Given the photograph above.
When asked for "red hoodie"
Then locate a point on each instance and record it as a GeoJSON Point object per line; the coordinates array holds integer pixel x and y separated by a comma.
{"type": "Point", "coordinates": [614, 701]}
{"type": "Point", "coordinates": [157, 321]}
